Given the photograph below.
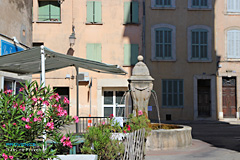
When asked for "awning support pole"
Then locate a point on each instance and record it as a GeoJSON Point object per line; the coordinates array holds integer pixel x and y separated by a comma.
{"type": "Point", "coordinates": [77, 98]}
{"type": "Point", "coordinates": [43, 85]}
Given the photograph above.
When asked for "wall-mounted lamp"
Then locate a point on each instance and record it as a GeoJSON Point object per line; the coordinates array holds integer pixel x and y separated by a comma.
{"type": "Point", "coordinates": [72, 37]}
{"type": "Point", "coordinates": [60, 1]}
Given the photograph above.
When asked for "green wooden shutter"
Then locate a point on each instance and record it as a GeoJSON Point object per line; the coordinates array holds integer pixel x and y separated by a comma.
{"type": "Point", "coordinates": [180, 89]}
{"type": "Point", "coordinates": [127, 14]}
{"type": "Point", "coordinates": [55, 10]}
{"type": "Point", "coordinates": [134, 12]}
{"type": "Point", "coordinates": [164, 92]}
{"type": "Point", "coordinates": [134, 54]}
{"type": "Point", "coordinates": [98, 12]}
{"type": "Point", "coordinates": [94, 52]}
{"type": "Point", "coordinates": [89, 11]}
{"type": "Point", "coordinates": [43, 11]}
{"type": "Point", "coordinates": [98, 51]}
{"type": "Point", "coordinates": [127, 54]}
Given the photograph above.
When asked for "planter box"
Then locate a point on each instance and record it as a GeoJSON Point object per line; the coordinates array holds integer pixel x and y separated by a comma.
{"type": "Point", "coordinates": [78, 157]}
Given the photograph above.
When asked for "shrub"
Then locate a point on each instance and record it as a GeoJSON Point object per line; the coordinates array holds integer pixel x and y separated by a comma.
{"type": "Point", "coordinates": [22, 121]}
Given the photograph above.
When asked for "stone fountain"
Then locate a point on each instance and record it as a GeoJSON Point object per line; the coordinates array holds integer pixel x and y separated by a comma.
{"type": "Point", "coordinates": [141, 85]}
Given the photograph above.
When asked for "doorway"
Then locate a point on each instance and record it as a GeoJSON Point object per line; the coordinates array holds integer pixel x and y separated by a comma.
{"type": "Point", "coordinates": [204, 98]}
{"type": "Point", "coordinates": [229, 97]}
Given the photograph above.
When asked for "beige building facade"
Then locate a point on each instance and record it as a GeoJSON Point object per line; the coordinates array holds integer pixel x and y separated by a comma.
{"type": "Point", "coordinates": [181, 58]}
{"type": "Point", "coordinates": [106, 31]}
{"type": "Point", "coordinates": [227, 40]}
{"type": "Point", "coordinates": [15, 35]}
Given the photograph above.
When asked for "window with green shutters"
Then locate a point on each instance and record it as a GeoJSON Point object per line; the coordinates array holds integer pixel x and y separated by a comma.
{"type": "Point", "coordinates": [163, 38]}
{"type": "Point", "coordinates": [233, 44]}
{"type": "Point", "coordinates": [199, 44]}
{"type": "Point", "coordinates": [130, 54]}
{"type": "Point", "coordinates": [172, 93]}
{"type": "Point", "coordinates": [131, 12]}
{"type": "Point", "coordinates": [94, 52]}
{"type": "Point", "coordinates": [94, 12]}
{"type": "Point", "coordinates": [199, 3]}
{"type": "Point", "coordinates": [163, 3]}
{"type": "Point", "coordinates": [49, 11]}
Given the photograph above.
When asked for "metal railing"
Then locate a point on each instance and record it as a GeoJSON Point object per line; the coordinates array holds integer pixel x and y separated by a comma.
{"type": "Point", "coordinates": [96, 121]}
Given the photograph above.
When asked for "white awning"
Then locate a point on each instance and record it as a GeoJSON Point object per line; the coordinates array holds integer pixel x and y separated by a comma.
{"type": "Point", "coordinates": [29, 62]}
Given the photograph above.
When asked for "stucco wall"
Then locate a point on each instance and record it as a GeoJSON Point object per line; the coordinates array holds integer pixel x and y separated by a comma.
{"type": "Point", "coordinates": [112, 34]}
{"type": "Point", "coordinates": [181, 17]}
{"type": "Point", "coordinates": [16, 20]}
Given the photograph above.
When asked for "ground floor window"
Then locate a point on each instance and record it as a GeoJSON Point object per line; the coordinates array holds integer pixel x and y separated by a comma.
{"type": "Point", "coordinates": [14, 85]}
{"type": "Point", "coordinates": [113, 103]}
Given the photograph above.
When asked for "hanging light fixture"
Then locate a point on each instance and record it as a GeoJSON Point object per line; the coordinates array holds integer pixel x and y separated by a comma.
{"type": "Point", "coordinates": [60, 1]}
{"type": "Point", "coordinates": [72, 37]}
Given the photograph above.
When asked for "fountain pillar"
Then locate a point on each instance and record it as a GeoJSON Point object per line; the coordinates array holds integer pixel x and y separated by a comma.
{"type": "Point", "coordinates": [141, 85]}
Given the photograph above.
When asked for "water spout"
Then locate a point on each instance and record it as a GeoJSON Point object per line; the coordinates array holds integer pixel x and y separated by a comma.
{"type": "Point", "coordinates": [154, 94]}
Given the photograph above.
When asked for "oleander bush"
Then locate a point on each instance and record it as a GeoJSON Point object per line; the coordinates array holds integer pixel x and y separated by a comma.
{"type": "Point", "coordinates": [23, 122]}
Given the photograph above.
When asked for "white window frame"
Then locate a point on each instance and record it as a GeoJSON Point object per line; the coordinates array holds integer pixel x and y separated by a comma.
{"type": "Point", "coordinates": [114, 100]}
{"type": "Point", "coordinates": [153, 40]}
{"type": "Point", "coordinates": [209, 49]}
{"type": "Point", "coordinates": [234, 11]}
{"type": "Point", "coordinates": [209, 6]}
{"type": "Point", "coordinates": [172, 6]}
{"type": "Point", "coordinates": [227, 55]}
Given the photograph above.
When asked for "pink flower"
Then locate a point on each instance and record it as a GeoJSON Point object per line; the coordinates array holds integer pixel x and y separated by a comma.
{"type": "Point", "coordinates": [40, 99]}
{"type": "Point", "coordinates": [39, 112]}
{"type": "Point", "coordinates": [124, 131]}
{"type": "Point", "coordinates": [103, 123]}
{"type": "Point", "coordinates": [21, 89]}
{"type": "Point", "coordinates": [30, 115]}
{"type": "Point", "coordinates": [23, 119]}
{"type": "Point", "coordinates": [11, 157]}
{"type": "Point", "coordinates": [22, 107]}
{"type": "Point", "coordinates": [27, 126]}
{"type": "Point", "coordinates": [3, 125]}
{"type": "Point", "coordinates": [15, 105]}
{"type": "Point", "coordinates": [46, 102]}
{"type": "Point", "coordinates": [76, 119]}
{"type": "Point", "coordinates": [28, 120]}
{"type": "Point", "coordinates": [39, 119]}
{"type": "Point", "coordinates": [65, 113]}
{"type": "Point", "coordinates": [14, 124]}
{"type": "Point", "coordinates": [9, 91]}
{"type": "Point", "coordinates": [62, 139]}
{"type": "Point", "coordinates": [66, 100]}
{"type": "Point", "coordinates": [34, 99]}
{"type": "Point", "coordinates": [140, 112]}
{"type": "Point", "coordinates": [5, 156]}
{"type": "Point", "coordinates": [111, 116]}
{"type": "Point", "coordinates": [35, 119]}
{"type": "Point", "coordinates": [50, 125]}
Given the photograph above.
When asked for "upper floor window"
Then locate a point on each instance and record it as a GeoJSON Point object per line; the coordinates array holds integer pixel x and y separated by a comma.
{"type": "Point", "coordinates": [94, 52]}
{"type": "Point", "coordinates": [49, 11]}
{"type": "Point", "coordinates": [130, 54]}
{"type": "Point", "coordinates": [163, 42]}
{"type": "Point", "coordinates": [199, 44]}
{"type": "Point", "coordinates": [233, 5]}
{"type": "Point", "coordinates": [94, 12]}
{"type": "Point", "coordinates": [131, 12]}
{"type": "Point", "coordinates": [163, 4]}
{"type": "Point", "coordinates": [199, 4]}
{"type": "Point", "coordinates": [233, 44]}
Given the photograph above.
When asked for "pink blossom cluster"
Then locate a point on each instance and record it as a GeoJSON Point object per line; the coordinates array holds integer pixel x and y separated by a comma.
{"type": "Point", "coordinates": [6, 157]}
{"type": "Point", "coordinates": [9, 91]}
{"type": "Point", "coordinates": [61, 111]}
{"type": "Point", "coordinates": [56, 96]}
{"type": "Point", "coordinates": [21, 89]}
{"type": "Point", "coordinates": [76, 119]}
{"type": "Point", "coordinates": [50, 125]}
{"type": "Point", "coordinates": [66, 141]}
{"type": "Point", "coordinates": [140, 113]}
{"type": "Point", "coordinates": [66, 100]}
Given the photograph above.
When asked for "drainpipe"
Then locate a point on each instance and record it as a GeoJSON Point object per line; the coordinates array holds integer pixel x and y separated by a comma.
{"type": "Point", "coordinates": [77, 103]}
{"type": "Point", "coordinates": [143, 31]}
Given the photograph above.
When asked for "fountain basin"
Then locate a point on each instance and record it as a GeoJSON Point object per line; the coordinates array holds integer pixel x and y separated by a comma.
{"type": "Point", "coordinates": [163, 139]}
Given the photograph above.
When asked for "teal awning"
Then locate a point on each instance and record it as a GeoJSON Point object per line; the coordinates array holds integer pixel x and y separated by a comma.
{"type": "Point", "coordinates": [29, 62]}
